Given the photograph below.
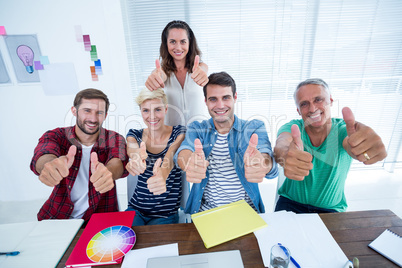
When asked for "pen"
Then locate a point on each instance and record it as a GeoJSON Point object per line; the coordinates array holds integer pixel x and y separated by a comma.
{"type": "Point", "coordinates": [291, 258]}
{"type": "Point", "coordinates": [11, 253]}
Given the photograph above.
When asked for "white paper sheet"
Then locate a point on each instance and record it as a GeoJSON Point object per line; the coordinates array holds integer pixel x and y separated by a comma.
{"type": "Point", "coordinates": [306, 236]}
{"type": "Point", "coordinates": [41, 244]}
{"type": "Point", "coordinates": [59, 79]}
{"type": "Point", "coordinates": [138, 257]}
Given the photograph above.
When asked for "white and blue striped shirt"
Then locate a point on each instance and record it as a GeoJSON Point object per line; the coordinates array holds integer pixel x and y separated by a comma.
{"type": "Point", "coordinates": [224, 185]}
{"type": "Point", "coordinates": [150, 205]}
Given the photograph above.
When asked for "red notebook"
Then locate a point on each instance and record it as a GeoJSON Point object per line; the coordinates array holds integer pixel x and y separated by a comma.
{"type": "Point", "coordinates": [117, 224]}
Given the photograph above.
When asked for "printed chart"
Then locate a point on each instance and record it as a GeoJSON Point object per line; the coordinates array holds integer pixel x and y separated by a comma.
{"type": "Point", "coordinates": [111, 244]}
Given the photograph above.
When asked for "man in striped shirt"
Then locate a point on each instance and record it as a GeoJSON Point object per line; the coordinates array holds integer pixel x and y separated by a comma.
{"type": "Point", "coordinates": [225, 157]}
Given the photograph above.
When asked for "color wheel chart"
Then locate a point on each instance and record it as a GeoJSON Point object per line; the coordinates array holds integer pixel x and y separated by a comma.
{"type": "Point", "coordinates": [111, 244]}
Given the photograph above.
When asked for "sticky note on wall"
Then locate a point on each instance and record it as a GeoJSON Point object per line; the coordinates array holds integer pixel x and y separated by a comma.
{"type": "Point", "coordinates": [2, 30]}
{"type": "Point", "coordinates": [38, 65]}
{"type": "Point", "coordinates": [98, 67]}
{"type": "Point", "coordinates": [87, 42]}
{"type": "Point", "coordinates": [94, 54]}
{"type": "Point", "coordinates": [78, 33]}
{"type": "Point", "coordinates": [44, 60]}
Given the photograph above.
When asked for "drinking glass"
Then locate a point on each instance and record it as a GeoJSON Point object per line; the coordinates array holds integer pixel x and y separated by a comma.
{"type": "Point", "coordinates": [280, 256]}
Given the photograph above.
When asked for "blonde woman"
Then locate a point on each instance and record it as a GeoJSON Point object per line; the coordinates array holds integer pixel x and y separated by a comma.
{"type": "Point", "coordinates": [156, 197]}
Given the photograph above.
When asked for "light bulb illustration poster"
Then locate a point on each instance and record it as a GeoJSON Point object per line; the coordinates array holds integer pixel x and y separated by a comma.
{"type": "Point", "coordinates": [24, 50]}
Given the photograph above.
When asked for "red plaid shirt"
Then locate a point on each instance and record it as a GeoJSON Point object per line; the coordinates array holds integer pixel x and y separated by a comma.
{"type": "Point", "coordinates": [57, 142]}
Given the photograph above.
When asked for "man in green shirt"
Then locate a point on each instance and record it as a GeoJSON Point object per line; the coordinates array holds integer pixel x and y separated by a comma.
{"type": "Point", "coordinates": [316, 152]}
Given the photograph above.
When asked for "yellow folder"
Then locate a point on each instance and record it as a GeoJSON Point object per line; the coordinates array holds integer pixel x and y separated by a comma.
{"type": "Point", "coordinates": [227, 222]}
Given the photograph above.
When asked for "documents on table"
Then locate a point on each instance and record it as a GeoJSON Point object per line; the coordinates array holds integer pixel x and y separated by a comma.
{"type": "Point", "coordinates": [138, 257]}
{"type": "Point", "coordinates": [227, 222]}
{"type": "Point", "coordinates": [305, 235]}
{"type": "Point", "coordinates": [40, 243]}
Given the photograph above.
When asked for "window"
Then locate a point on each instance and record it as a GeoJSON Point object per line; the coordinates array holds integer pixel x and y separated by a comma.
{"type": "Point", "coordinates": [270, 46]}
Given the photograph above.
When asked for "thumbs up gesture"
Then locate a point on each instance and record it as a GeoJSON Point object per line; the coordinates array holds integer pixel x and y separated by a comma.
{"type": "Point", "coordinates": [362, 143]}
{"type": "Point", "coordinates": [196, 168]}
{"type": "Point", "coordinates": [157, 78]}
{"type": "Point", "coordinates": [297, 162]}
{"type": "Point", "coordinates": [255, 167]}
{"type": "Point", "coordinates": [58, 168]}
{"type": "Point", "coordinates": [156, 183]}
{"type": "Point", "coordinates": [199, 75]}
{"type": "Point", "coordinates": [137, 163]}
{"type": "Point", "coordinates": [101, 178]}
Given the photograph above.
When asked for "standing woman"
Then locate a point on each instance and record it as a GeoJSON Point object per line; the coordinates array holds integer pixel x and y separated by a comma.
{"type": "Point", "coordinates": [181, 74]}
{"type": "Point", "coordinates": [157, 195]}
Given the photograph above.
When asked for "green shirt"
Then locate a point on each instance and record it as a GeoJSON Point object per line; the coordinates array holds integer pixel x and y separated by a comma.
{"type": "Point", "coordinates": [324, 186]}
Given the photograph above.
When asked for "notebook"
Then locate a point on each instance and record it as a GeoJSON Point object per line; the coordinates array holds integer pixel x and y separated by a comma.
{"type": "Point", "coordinates": [41, 243]}
{"type": "Point", "coordinates": [389, 244]}
{"type": "Point", "coordinates": [227, 222]}
{"type": "Point", "coordinates": [230, 258]}
{"type": "Point", "coordinates": [97, 223]}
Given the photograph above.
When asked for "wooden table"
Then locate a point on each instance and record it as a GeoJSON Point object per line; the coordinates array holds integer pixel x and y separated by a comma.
{"type": "Point", "coordinates": [352, 230]}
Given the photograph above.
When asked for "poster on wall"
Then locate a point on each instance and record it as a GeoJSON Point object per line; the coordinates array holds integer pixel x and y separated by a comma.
{"type": "Point", "coordinates": [4, 78]}
{"type": "Point", "coordinates": [24, 50]}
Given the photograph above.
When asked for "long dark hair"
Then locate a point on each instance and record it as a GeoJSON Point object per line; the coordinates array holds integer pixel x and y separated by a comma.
{"type": "Point", "coordinates": [168, 65]}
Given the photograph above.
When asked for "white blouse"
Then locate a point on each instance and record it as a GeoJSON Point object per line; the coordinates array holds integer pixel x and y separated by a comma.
{"type": "Point", "coordinates": [185, 105]}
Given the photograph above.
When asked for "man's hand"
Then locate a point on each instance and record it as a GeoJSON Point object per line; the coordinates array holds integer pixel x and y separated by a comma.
{"type": "Point", "coordinates": [57, 169]}
{"type": "Point", "coordinates": [156, 78]}
{"type": "Point", "coordinates": [101, 177]}
{"type": "Point", "coordinates": [364, 144]}
{"type": "Point", "coordinates": [297, 163]}
{"type": "Point", "coordinates": [255, 166]}
{"type": "Point", "coordinates": [196, 168]}
{"type": "Point", "coordinates": [137, 163]}
{"type": "Point", "coordinates": [156, 183]}
{"type": "Point", "coordinates": [199, 75]}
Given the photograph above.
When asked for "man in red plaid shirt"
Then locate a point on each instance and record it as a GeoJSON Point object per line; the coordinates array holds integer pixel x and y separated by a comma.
{"type": "Point", "coordinates": [81, 162]}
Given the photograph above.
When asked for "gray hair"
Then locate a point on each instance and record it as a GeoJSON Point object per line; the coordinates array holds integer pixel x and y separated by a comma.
{"type": "Point", "coordinates": [311, 81]}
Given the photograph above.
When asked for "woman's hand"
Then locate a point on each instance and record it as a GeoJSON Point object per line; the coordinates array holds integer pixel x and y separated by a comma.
{"type": "Point", "coordinates": [157, 78]}
{"type": "Point", "coordinates": [199, 74]}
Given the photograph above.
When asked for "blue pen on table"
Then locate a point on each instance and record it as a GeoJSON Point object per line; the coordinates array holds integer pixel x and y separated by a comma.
{"type": "Point", "coordinates": [11, 253]}
{"type": "Point", "coordinates": [291, 258]}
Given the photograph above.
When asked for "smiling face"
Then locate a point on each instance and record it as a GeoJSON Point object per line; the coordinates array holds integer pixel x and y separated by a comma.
{"type": "Point", "coordinates": [314, 105]}
{"type": "Point", "coordinates": [178, 44]}
{"type": "Point", "coordinates": [90, 115]}
{"type": "Point", "coordinates": [153, 113]}
{"type": "Point", "coordinates": [220, 102]}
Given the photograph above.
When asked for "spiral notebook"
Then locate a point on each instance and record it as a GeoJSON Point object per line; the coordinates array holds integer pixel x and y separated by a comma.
{"type": "Point", "coordinates": [389, 244]}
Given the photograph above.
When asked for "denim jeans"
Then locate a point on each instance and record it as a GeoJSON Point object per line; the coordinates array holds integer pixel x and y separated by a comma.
{"type": "Point", "coordinates": [296, 207]}
{"type": "Point", "coordinates": [140, 219]}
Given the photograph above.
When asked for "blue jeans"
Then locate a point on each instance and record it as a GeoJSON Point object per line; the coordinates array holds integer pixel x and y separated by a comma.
{"type": "Point", "coordinates": [290, 205]}
{"type": "Point", "coordinates": [140, 219]}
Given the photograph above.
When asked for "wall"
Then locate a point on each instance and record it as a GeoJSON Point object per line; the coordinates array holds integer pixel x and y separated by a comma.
{"type": "Point", "coordinates": [26, 112]}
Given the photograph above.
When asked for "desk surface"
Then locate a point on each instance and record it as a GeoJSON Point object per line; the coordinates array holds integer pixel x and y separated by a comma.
{"type": "Point", "coordinates": [353, 231]}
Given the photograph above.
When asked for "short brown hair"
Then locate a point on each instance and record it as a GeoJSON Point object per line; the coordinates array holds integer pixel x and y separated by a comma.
{"type": "Point", "coordinates": [221, 79]}
{"type": "Point", "coordinates": [90, 93]}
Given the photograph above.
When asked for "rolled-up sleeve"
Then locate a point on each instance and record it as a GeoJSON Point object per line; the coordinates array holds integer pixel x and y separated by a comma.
{"type": "Point", "coordinates": [48, 144]}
